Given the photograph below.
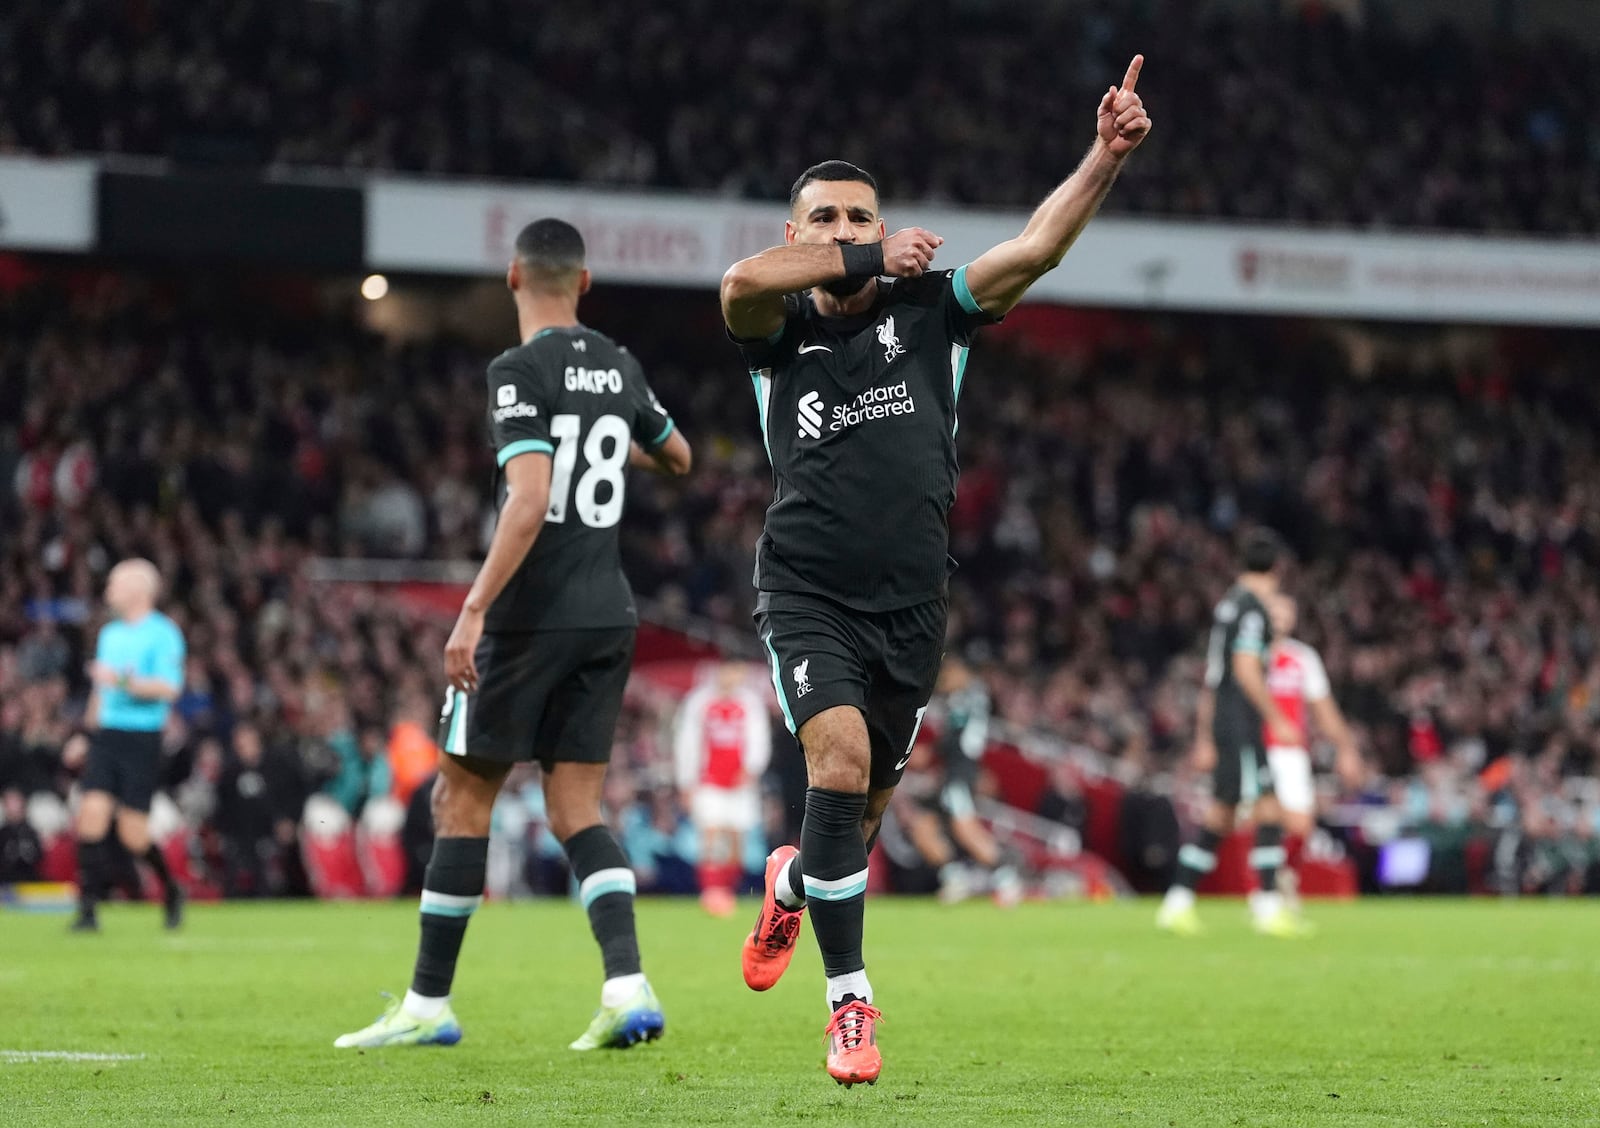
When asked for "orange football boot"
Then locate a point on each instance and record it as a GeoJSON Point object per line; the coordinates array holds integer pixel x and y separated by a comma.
{"type": "Point", "coordinates": [770, 945]}
{"type": "Point", "coordinates": [853, 1055]}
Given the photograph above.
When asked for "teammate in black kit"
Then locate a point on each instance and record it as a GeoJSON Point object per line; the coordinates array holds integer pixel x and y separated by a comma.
{"type": "Point", "coordinates": [540, 654]}
{"type": "Point", "coordinates": [857, 382]}
{"type": "Point", "coordinates": [1240, 703]}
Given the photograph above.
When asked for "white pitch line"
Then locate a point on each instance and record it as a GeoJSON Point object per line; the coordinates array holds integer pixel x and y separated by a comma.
{"type": "Point", "coordinates": [18, 1056]}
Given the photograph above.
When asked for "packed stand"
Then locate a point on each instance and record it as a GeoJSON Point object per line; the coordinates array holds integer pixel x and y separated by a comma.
{"type": "Point", "coordinates": [1443, 510]}
{"type": "Point", "coordinates": [1289, 115]}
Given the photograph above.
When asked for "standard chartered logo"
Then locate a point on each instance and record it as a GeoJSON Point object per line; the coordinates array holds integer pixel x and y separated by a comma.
{"type": "Point", "coordinates": [811, 415]}
{"type": "Point", "coordinates": [874, 403]}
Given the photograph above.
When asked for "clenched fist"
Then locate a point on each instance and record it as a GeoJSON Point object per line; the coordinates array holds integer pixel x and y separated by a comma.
{"type": "Point", "coordinates": [907, 253]}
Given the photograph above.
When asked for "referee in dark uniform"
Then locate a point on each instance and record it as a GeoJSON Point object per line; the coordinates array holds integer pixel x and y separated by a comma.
{"type": "Point", "coordinates": [137, 674]}
{"type": "Point", "coordinates": [857, 382]}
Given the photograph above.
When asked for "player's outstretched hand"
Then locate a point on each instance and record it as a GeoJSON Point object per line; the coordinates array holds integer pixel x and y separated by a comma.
{"type": "Point", "coordinates": [1122, 122]}
{"type": "Point", "coordinates": [907, 253]}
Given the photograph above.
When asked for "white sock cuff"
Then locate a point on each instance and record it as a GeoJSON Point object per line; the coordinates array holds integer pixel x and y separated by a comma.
{"type": "Point", "coordinates": [851, 983]}
{"type": "Point", "coordinates": [615, 992]}
{"type": "Point", "coordinates": [788, 896]}
{"type": "Point", "coordinates": [424, 1006]}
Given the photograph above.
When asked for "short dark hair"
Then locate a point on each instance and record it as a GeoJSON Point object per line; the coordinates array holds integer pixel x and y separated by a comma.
{"type": "Point", "coordinates": [551, 246]}
{"type": "Point", "coordinates": [831, 170]}
{"type": "Point", "coordinates": [1261, 550]}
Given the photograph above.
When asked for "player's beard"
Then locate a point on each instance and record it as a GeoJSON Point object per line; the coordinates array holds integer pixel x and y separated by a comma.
{"type": "Point", "coordinates": [847, 287]}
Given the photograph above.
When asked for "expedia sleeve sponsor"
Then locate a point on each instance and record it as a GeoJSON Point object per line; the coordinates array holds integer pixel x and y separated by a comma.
{"type": "Point", "coordinates": [520, 407]}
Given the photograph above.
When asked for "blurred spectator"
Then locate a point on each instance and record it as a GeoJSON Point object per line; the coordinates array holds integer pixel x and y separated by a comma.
{"type": "Point", "coordinates": [21, 851]}
{"type": "Point", "coordinates": [412, 754]}
{"type": "Point", "coordinates": [258, 804]}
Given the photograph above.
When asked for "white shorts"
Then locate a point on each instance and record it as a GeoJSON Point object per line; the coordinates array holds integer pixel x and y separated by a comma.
{"type": "Point", "coordinates": [1291, 779]}
{"type": "Point", "coordinates": [725, 808]}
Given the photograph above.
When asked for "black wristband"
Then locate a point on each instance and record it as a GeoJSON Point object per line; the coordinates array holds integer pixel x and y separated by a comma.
{"type": "Point", "coordinates": [862, 260]}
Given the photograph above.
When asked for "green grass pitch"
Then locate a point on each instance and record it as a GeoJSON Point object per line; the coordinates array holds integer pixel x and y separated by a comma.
{"type": "Point", "coordinates": [1407, 1013]}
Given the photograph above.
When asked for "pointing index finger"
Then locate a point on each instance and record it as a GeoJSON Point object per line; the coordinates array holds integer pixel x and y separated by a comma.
{"type": "Point", "coordinates": [1131, 79]}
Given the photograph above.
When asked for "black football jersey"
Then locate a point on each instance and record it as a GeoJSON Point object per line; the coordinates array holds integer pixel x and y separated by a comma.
{"type": "Point", "coordinates": [859, 418]}
{"type": "Point", "coordinates": [1239, 623]}
{"type": "Point", "coordinates": [580, 398]}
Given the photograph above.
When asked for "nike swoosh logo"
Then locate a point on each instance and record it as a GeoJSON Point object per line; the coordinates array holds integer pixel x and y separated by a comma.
{"type": "Point", "coordinates": [904, 760]}
{"type": "Point", "coordinates": [815, 348]}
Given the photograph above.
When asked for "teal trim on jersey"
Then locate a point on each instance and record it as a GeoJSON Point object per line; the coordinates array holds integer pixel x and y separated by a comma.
{"type": "Point", "coordinates": [958, 281]}
{"type": "Point", "coordinates": [1240, 646]}
{"type": "Point", "coordinates": [778, 336]}
{"type": "Point", "coordinates": [958, 374]}
{"type": "Point", "coordinates": [662, 437]}
{"type": "Point", "coordinates": [523, 446]}
{"type": "Point", "coordinates": [545, 332]}
{"type": "Point", "coordinates": [761, 410]}
{"type": "Point", "coordinates": [777, 683]}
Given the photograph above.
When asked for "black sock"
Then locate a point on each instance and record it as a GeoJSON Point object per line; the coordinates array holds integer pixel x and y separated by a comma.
{"type": "Point", "coordinates": [452, 889]}
{"type": "Point", "coordinates": [91, 875]}
{"type": "Point", "coordinates": [1198, 858]}
{"type": "Point", "coordinates": [153, 859]}
{"type": "Point", "coordinates": [1267, 856]}
{"type": "Point", "coordinates": [606, 887]}
{"type": "Point", "coordinates": [833, 858]}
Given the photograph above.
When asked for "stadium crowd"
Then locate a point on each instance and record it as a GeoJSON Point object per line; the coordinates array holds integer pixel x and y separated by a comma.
{"type": "Point", "coordinates": [1443, 503]}
{"type": "Point", "coordinates": [1365, 126]}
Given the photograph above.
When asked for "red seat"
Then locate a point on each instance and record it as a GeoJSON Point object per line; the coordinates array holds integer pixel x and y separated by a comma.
{"type": "Point", "coordinates": [382, 859]}
{"type": "Point", "coordinates": [332, 866]}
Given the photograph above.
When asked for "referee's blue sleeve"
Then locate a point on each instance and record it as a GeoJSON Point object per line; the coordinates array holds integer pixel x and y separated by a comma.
{"type": "Point", "coordinates": [166, 658]}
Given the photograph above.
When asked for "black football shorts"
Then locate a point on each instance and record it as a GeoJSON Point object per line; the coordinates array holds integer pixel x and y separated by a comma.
{"type": "Point", "coordinates": [125, 764]}
{"type": "Point", "coordinates": [550, 696]}
{"type": "Point", "coordinates": [1243, 773]}
{"type": "Point", "coordinates": [885, 663]}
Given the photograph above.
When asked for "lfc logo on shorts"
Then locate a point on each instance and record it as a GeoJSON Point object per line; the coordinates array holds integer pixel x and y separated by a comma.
{"type": "Point", "coordinates": [802, 684]}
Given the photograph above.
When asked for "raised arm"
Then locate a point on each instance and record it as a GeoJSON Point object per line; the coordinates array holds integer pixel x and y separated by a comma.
{"type": "Point", "coordinates": [1001, 276]}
